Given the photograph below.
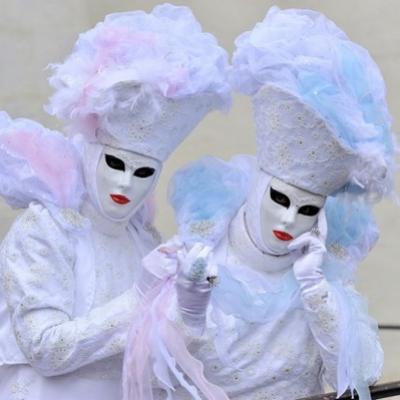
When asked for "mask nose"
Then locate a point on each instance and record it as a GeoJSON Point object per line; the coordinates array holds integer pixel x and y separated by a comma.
{"type": "Point", "coordinates": [289, 217]}
{"type": "Point", "coordinates": [125, 180]}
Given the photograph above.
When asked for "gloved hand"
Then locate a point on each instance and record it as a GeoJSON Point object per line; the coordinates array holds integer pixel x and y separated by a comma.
{"type": "Point", "coordinates": [311, 248]}
{"type": "Point", "coordinates": [194, 284]}
{"type": "Point", "coordinates": [159, 264]}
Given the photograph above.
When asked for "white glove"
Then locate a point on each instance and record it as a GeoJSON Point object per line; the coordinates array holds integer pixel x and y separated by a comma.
{"type": "Point", "coordinates": [159, 264]}
{"type": "Point", "coordinates": [311, 248]}
{"type": "Point", "coordinates": [194, 285]}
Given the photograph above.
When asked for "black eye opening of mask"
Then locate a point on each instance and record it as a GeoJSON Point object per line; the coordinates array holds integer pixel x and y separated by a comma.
{"type": "Point", "coordinates": [309, 210]}
{"type": "Point", "coordinates": [144, 172]}
{"type": "Point", "coordinates": [114, 162]}
{"type": "Point", "coordinates": [279, 198]}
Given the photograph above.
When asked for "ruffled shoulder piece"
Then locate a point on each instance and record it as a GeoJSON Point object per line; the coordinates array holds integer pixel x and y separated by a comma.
{"type": "Point", "coordinates": [207, 194]}
{"type": "Point", "coordinates": [37, 164]}
{"type": "Point", "coordinates": [352, 233]}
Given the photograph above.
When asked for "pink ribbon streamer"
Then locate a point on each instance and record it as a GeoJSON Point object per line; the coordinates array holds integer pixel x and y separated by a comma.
{"type": "Point", "coordinates": [153, 337]}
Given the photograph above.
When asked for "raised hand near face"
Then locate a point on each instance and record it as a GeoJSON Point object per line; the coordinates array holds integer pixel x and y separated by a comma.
{"type": "Point", "coordinates": [311, 248]}
{"type": "Point", "coordinates": [194, 284]}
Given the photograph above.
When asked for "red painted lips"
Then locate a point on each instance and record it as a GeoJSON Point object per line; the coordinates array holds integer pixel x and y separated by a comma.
{"type": "Point", "coordinates": [119, 198]}
{"type": "Point", "coordinates": [283, 236]}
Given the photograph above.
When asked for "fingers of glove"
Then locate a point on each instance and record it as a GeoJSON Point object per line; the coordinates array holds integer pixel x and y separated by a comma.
{"type": "Point", "coordinates": [307, 241]}
{"type": "Point", "coordinates": [316, 245]}
{"type": "Point", "coordinates": [197, 251]}
{"type": "Point", "coordinates": [205, 252]}
{"type": "Point", "coordinates": [186, 258]}
{"type": "Point", "coordinates": [300, 242]}
{"type": "Point", "coordinates": [322, 225]}
{"type": "Point", "coordinates": [197, 275]}
{"type": "Point", "coordinates": [194, 262]}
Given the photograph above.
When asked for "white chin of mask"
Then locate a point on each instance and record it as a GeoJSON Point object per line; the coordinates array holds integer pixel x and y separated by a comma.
{"type": "Point", "coordinates": [118, 181]}
{"type": "Point", "coordinates": [277, 213]}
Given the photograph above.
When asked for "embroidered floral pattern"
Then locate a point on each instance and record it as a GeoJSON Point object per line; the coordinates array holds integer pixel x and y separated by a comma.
{"type": "Point", "coordinates": [294, 142]}
{"type": "Point", "coordinates": [202, 228]}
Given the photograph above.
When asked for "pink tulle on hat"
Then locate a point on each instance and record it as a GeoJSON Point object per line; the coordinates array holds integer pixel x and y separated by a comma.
{"type": "Point", "coordinates": [159, 70]}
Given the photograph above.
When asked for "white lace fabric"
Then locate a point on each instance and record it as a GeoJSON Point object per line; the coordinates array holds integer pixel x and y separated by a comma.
{"type": "Point", "coordinates": [156, 125]}
{"type": "Point", "coordinates": [296, 145]}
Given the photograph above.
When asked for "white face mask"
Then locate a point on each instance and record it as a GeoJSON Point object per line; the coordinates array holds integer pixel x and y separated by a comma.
{"type": "Point", "coordinates": [286, 213]}
{"type": "Point", "coordinates": [124, 179]}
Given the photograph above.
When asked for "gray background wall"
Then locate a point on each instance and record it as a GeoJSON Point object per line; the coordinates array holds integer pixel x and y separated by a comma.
{"type": "Point", "coordinates": [34, 33]}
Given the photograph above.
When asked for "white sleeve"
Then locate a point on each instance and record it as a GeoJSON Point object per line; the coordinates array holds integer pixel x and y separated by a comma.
{"type": "Point", "coordinates": [346, 335]}
{"type": "Point", "coordinates": [37, 277]}
{"type": "Point", "coordinates": [323, 316]}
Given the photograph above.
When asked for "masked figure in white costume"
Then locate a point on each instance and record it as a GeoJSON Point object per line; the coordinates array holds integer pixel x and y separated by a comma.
{"type": "Point", "coordinates": [254, 298]}
{"type": "Point", "coordinates": [134, 87]}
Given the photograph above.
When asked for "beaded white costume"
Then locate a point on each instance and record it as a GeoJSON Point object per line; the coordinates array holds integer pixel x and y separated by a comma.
{"type": "Point", "coordinates": [271, 331]}
{"type": "Point", "coordinates": [67, 266]}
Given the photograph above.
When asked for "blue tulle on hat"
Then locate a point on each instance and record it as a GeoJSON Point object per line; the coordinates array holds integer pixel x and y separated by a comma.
{"type": "Point", "coordinates": [306, 54]}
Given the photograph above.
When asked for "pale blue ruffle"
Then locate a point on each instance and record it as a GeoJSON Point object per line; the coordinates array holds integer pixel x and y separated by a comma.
{"type": "Point", "coordinates": [207, 194]}
{"type": "Point", "coordinates": [234, 298]}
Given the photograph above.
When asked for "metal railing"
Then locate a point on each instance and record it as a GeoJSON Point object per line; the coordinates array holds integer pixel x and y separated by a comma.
{"type": "Point", "coordinates": [389, 327]}
{"type": "Point", "coordinates": [382, 391]}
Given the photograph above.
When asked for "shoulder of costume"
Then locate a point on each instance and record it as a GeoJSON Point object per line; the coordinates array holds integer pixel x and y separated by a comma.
{"type": "Point", "coordinates": [39, 165]}
{"type": "Point", "coordinates": [207, 194]}
{"type": "Point", "coordinates": [42, 225]}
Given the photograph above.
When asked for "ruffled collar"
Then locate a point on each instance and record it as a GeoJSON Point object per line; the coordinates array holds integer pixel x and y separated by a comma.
{"type": "Point", "coordinates": [246, 251]}
{"type": "Point", "coordinates": [254, 286]}
{"type": "Point", "coordinates": [100, 223]}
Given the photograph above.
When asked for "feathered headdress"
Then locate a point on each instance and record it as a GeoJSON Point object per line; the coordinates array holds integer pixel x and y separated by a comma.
{"type": "Point", "coordinates": [319, 102]}
{"type": "Point", "coordinates": [141, 81]}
